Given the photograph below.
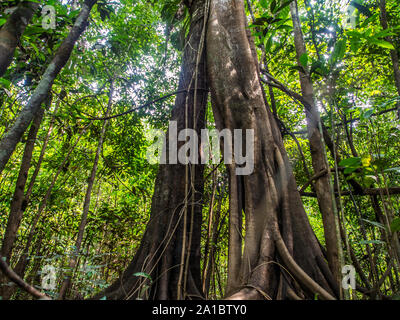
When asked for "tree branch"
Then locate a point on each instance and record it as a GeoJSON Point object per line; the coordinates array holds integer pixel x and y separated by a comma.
{"type": "Point", "coordinates": [5, 268]}
{"type": "Point", "coordinates": [365, 192]}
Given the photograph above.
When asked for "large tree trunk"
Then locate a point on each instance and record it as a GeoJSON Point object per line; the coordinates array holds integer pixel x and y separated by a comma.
{"type": "Point", "coordinates": [170, 249]}
{"type": "Point", "coordinates": [279, 238]}
{"type": "Point", "coordinates": [10, 140]}
{"type": "Point", "coordinates": [12, 31]}
{"type": "Point", "coordinates": [282, 257]}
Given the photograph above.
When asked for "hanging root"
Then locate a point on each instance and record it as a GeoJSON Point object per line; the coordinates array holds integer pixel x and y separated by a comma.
{"type": "Point", "coordinates": [283, 251]}
{"type": "Point", "coordinates": [298, 272]}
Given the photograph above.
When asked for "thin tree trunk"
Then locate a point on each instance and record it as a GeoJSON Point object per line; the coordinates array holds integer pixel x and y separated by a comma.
{"type": "Point", "coordinates": [10, 140]}
{"type": "Point", "coordinates": [323, 185]}
{"type": "Point", "coordinates": [40, 159]}
{"type": "Point", "coordinates": [211, 259]}
{"type": "Point", "coordinates": [15, 215]}
{"type": "Point", "coordinates": [235, 228]}
{"type": "Point", "coordinates": [209, 229]}
{"type": "Point", "coordinates": [73, 261]}
{"type": "Point", "coordinates": [12, 31]}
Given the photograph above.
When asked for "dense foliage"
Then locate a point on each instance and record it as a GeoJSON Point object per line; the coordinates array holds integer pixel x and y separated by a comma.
{"type": "Point", "coordinates": [130, 55]}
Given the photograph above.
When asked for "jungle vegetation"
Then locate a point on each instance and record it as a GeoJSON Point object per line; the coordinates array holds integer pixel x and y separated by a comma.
{"type": "Point", "coordinates": [85, 215]}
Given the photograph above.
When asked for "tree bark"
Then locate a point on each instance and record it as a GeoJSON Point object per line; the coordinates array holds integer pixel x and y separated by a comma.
{"type": "Point", "coordinates": [40, 159]}
{"type": "Point", "coordinates": [209, 267]}
{"type": "Point", "coordinates": [210, 229]}
{"type": "Point", "coordinates": [278, 234]}
{"type": "Point", "coordinates": [22, 201]}
{"type": "Point", "coordinates": [10, 140]}
{"type": "Point", "coordinates": [5, 268]}
{"type": "Point", "coordinates": [15, 215]}
{"type": "Point", "coordinates": [235, 228]}
{"type": "Point", "coordinates": [12, 31]}
{"type": "Point", "coordinates": [160, 255]}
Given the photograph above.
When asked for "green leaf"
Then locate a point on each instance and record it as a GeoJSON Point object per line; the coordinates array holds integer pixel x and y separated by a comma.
{"type": "Point", "coordinates": [395, 225]}
{"type": "Point", "coordinates": [319, 68]}
{"type": "Point", "coordinates": [355, 44]}
{"type": "Point", "coordinates": [388, 102]}
{"type": "Point", "coordinates": [32, 30]}
{"type": "Point", "coordinates": [376, 224]}
{"type": "Point", "coordinates": [350, 170]}
{"type": "Point", "coordinates": [384, 33]}
{"type": "Point", "coordinates": [383, 44]}
{"type": "Point", "coordinates": [350, 162]}
{"type": "Point", "coordinates": [367, 21]}
{"type": "Point", "coordinates": [369, 180]}
{"type": "Point", "coordinates": [268, 43]}
{"type": "Point", "coordinates": [35, 48]}
{"type": "Point", "coordinates": [284, 14]}
{"type": "Point", "coordinates": [285, 27]}
{"type": "Point", "coordinates": [6, 83]}
{"type": "Point", "coordinates": [273, 6]}
{"type": "Point", "coordinates": [395, 169]}
{"type": "Point", "coordinates": [262, 21]}
{"type": "Point", "coordinates": [304, 59]}
{"type": "Point", "coordinates": [283, 5]}
{"type": "Point", "coordinates": [142, 274]}
{"type": "Point", "coordinates": [367, 114]}
{"type": "Point", "coordinates": [264, 4]}
{"type": "Point", "coordinates": [339, 51]}
{"type": "Point", "coordinates": [355, 34]}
